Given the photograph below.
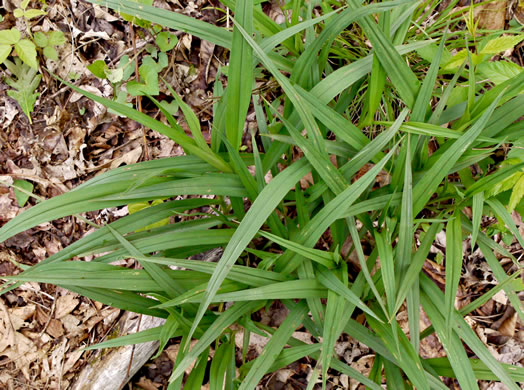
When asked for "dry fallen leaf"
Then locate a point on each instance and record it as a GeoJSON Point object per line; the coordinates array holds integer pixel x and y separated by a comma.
{"type": "Point", "coordinates": [492, 15]}
{"type": "Point", "coordinates": [57, 357]}
{"type": "Point", "coordinates": [19, 315]}
{"type": "Point", "coordinates": [507, 328]}
{"type": "Point", "coordinates": [55, 328]}
{"type": "Point", "coordinates": [148, 384]}
{"type": "Point", "coordinates": [65, 304]}
{"type": "Point", "coordinates": [8, 209]}
{"type": "Point", "coordinates": [128, 158]}
{"type": "Point", "coordinates": [72, 359]}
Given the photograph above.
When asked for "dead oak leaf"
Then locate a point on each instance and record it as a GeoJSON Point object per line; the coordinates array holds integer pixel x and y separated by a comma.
{"type": "Point", "coordinates": [65, 304]}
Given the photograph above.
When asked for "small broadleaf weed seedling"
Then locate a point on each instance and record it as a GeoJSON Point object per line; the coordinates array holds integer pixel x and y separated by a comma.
{"type": "Point", "coordinates": [24, 69]}
{"type": "Point", "coordinates": [28, 13]}
{"type": "Point", "coordinates": [48, 43]}
{"type": "Point", "coordinates": [24, 47]}
{"type": "Point", "coordinates": [24, 81]}
{"type": "Point", "coordinates": [149, 69]}
{"type": "Point", "coordinates": [335, 221]}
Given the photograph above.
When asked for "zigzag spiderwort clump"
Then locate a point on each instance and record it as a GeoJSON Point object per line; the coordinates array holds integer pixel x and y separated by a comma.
{"type": "Point", "coordinates": [434, 173]}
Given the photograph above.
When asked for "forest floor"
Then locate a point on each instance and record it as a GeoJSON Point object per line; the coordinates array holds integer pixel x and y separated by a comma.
{"type": "Point", "coordinates": [72, 139]}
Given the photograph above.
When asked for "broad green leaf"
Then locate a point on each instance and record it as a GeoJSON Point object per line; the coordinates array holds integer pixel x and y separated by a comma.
{"type": "Point", "coordinates": [26, 50]}
{"type": "Point", "coordinates": [308, 60]}
{"type": "Point", "coordinates": [127, 224]}
{"type": "Point", "coordinates": [407, 358]}
{"type": "Point", "coordinates": [33, 13]}
{"type": "Point", "coordinates": [315, 153]}
{"type": "Point", "coordinates": [377, 82]}
{"type": "Point", "coordinates": [403, 251]}
{"type": "Point", "coordinates": [496, 182]}
{"type": "Point", "coordinates": [367, 337]}
{"type": "Point", "coordinates": [51, 53]}
{"type": "Point", "coordinates": [293, 289]}
{"type": "Point", "coordinates": [99, 275]}
{"type": "Point", "coordinates": [125, 300]}
{"type": "Point", "coordinates": [56, 38]}
{"type": "Point", "coordinates": [157, 273]}
{"type": "Point", "coordinates": [98, 68]}
{"type": "Point", "coordinates": [272, 41]}
{"type": "Point", "coordinates": [286, 357]}
{"type": "Point", "coordinates": [457, 60]}
{"type": "Point", "coordinates": [429, 52]}
{"type": "Point", "coordinates": [166, 41]}
{"type": "Point", "coordinates": [393, 376]}
{"type": "Point", "coordinates": [149, 76]}
{"type": "Point", "coordinates": [405, 237]}
{"type": "Point", "coordinates": [134, 207]}
{"type": "Point", "coordinates": [344, 130]}
{"type": "Point", "coordinates": [134, 18]}
{"type": "Point", "coordinates": [166, 238]}
{"type": "Point", "coordinates": [431, 130]}
{"type": "Point", "coordinates": [169, 330]}
{"type": "Point", "coordinates": [499, 71]}
{"type": "Point", "coordinates": [508, 89]}
{"type": "Point", "coordinates": [353, 373]}
{"type": "Point", "coordinates": [40, 39]}
{"type": "Point", "coordinates": [9, 37]}
{"type": "Point", "coordinates": [262, 22]}
{"type": "Point", "coordinates": [5, 50]}
{"type": "Point", "coordinates": [334, 321]}
{"type": "Point", "coordinates": [305, 115]}
{"type": "Point", "coordinates": [23, 190]}
{"type": "Point", "coordinates": [501, 276]}
{"type": "Point", "coordinates": [437, 112]}
{"type": "Point", "coordinates": [501, 44]}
